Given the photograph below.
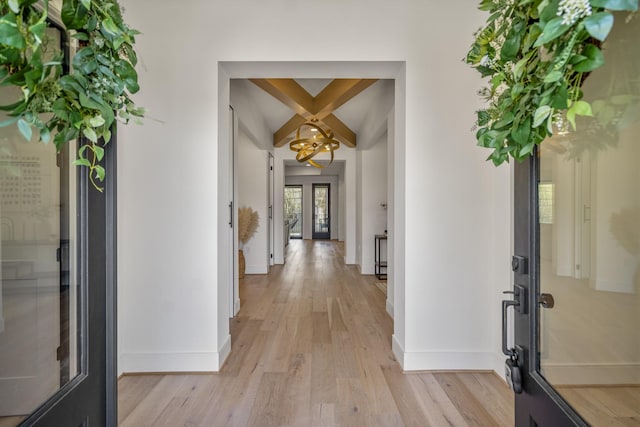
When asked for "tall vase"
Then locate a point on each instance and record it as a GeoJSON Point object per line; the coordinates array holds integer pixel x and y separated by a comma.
{"type": "Point", "coordinates": [240, 264]}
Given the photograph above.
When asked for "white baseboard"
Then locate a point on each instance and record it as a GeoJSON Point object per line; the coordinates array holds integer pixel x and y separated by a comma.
{"type": "Point", "coordinates": [206, 361]}
{"type": "Point", "coordinates": [223, 351]}
{"type": "Point", "coordinates": [444, 361]}
{"type": "Point", "coordinates": [397, 350]}
{"type": "Point", "coordinates": [236, 306]}
{"type": "Point", "coordinates": [390, 308]}
{"type": "Point", "coordinates": [592, 373]}
{"type": "Point", "coordinates": [256, 269]}
{"type": "Point", "coordinates": [498, 365]}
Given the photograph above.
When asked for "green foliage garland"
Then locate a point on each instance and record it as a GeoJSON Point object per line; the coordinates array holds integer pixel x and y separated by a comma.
{"type": "Point", "coordinates": [87, 100]}
{"type": "Point", "coordinates": [536, 55]}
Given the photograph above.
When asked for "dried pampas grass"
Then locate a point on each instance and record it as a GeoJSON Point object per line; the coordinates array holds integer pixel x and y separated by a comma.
{"type": "Point", "coordinates": [247, 223]}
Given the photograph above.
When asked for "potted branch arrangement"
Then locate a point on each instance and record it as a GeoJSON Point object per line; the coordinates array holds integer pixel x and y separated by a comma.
{"type": "Point", "coordinates": [248, 220]}
{"type": "Point", "coordinates": [59, 103]}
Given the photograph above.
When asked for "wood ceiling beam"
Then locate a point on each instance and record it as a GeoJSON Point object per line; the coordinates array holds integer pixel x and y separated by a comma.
{"type": "Point", "coordinates": [318, 109]}
{"type": "Point", "coordinates": [337, 93]}
{"type": "Point", "coordinates": [281, 135]}
{"type": "Point", "coordinates": [290, 93]}
{"type": "Point", "coordinates": [340, 130]}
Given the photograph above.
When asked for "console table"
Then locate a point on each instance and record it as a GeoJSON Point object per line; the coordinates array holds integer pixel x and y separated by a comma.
{"type": "Point", "coordinates": [380, 259]}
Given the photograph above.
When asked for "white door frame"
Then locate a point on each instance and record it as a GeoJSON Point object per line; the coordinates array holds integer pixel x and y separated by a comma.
{"type": "Point", "coordinates": [395, 70]}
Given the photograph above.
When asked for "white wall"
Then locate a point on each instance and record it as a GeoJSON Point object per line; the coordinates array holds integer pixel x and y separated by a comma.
{"type": "Point", "coordinates": [172, 310]}
{"type": "Point", "coordinates": [374, 192]}
{"type": "Point", "coordinates": [252, 175]}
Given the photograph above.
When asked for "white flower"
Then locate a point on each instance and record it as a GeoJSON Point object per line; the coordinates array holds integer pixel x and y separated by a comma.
{"type": "Point", "coordinates": [572, 10]}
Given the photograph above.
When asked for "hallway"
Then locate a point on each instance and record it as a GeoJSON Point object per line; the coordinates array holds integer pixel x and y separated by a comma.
{"type": "Point", "coordinates": [311, 346]}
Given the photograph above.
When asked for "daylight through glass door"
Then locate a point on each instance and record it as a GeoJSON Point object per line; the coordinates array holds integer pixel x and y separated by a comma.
{"type": "Point", "coordinates": [589, 227]}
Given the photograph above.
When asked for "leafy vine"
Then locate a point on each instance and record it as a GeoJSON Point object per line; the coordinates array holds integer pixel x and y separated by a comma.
{"type": "Point", "coordinates": [536, 55]}
{"type": "Point", "coordinates": [63, 105]}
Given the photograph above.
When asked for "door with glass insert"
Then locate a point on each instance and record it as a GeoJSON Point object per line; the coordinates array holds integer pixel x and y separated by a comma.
{"type": "Point", "coordinates": [57, 324]}
{"type": "Point", "coordinates": [293, 210]}
{"type": "Point", "coordinates": [321, 211]}
{"type": "Point", "coordinates": [577, 218]}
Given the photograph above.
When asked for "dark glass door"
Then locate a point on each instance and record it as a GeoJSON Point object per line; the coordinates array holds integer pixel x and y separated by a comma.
{"type": "Point", "coordinates": [577, 265]}
{"type": "Point", "coordinates": [293, 210]}
{"type": "Point", "coordinates": [321, 211]}
{"type": "Point", "coordinates": [57, 286]}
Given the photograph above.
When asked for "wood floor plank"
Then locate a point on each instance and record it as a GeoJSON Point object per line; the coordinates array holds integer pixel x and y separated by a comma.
{"type": "Point", "coordinates": [405, 398]}
{"type": "Point", "coordinates": [267, 410]}
{"type": "Point", "coordinates": [132, 389]}
{"type": "Point", "coordinates": [467, 404]}
{"type": "Point", "coordinates": [435, 402]}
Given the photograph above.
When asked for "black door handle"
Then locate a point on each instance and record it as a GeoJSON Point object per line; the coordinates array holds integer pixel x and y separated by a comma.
{"type": "Point", "coordinates": [519, 304]}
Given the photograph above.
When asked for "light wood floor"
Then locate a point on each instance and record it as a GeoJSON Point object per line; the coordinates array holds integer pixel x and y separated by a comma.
{"type": "Point", "coordinates": [311, 346]}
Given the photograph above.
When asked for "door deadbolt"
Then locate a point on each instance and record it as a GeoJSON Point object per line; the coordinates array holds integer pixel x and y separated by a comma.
{"type": "Point", "coordinates": [546, 300]}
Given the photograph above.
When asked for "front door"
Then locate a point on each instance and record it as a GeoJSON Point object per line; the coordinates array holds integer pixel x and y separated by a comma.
{"type": "Point", "coordinates": [577, 257]}
{"type": "Point", "coordinates": [321, 212]}
{"type": "Point", "coordinates": [57, 286]}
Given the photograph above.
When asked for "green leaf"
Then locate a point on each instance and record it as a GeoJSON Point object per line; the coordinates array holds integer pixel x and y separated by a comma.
{"type": "Point", "coordinates": [594, 59]}
{"type": "Point", "coordinates": [554, 29]}
{"type": "Point", "coordinates": [110, 27]}
{"type": "Point", "coordinates": [82, 162]}
{"type": "Point", "coordinates": [81, 36]}
{"type": "Point", "coordinates": [559, 100]}
{"type": "Point", "coordinates": [100, 173]}
{"type": "Point", "coordinates": [522, 132]}
{"type": "Point", "coordinates": [518, 69]}
{"type": "Point", "coordinates": [548, 10]}
{"type": "Point", "coordinates": [541, 115]}
{"type": "Point", "coordinates": [483, 117]}
{"type": "Point", "coordinates": [9, 33]}
{"type": "Point", "coordinates": [99, 152]}
{"type": "Point", "coordinates": [506, 119]}
{"type": "Point", "coordinates": [86, 4]}
{"type": "Point", "coordinates": [88, 103]}
{"type": "Point", "coordinates": [14, 5]}
{"type": "Point", "coordinates": [630, 5]}
{"type": "Point", "coordinates": [599, 25]}
{"type": "Point", "coordinates": [96, 121]}
{"type": "Point", "coordinates": [526, 150]}
{"type": "Point", "coordinates": [90, 134]}
{"type": "Point", "coordinates": [578, 108]}
{"type": "Point", "coordinates": [25, 129]}
{"type": "Point", "coordinates": [45, 135]}
{"type": "Point", "coordinates": [553, 76]}
{"type": "Point", "coordinates": [74, 14]}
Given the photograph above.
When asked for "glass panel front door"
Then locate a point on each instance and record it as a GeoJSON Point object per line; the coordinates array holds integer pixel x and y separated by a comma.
{"type": "Point", "coordinates": [38, 284]}
{"type": "Point", "coordinates": [321, 212]}
{"type": "Point", "coordinates": [589, 228]}
{"type": "Point", "coordinates": [293, 210]}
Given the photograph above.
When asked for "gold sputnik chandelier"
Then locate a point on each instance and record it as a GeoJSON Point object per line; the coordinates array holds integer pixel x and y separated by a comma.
{"type": "Point", "coordinates": [320, 142]}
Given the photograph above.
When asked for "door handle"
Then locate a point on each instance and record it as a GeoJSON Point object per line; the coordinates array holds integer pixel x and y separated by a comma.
{"type": "Point", "coordinates": [231, 214]}
{"type": "Point", "coordinates": [519, 304]}
{"type": "Point", "coordinates": [270, 212]}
